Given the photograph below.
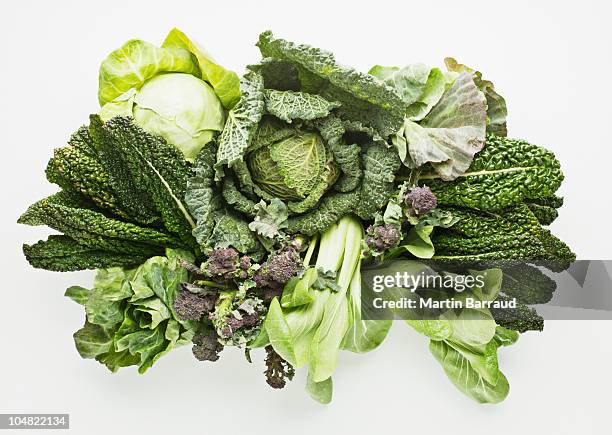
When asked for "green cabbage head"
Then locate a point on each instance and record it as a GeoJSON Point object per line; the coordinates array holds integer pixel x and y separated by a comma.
{"type": "Point", "coordinates": [176, 91]}
{"type": "Point", "coordinates": [297, 167]}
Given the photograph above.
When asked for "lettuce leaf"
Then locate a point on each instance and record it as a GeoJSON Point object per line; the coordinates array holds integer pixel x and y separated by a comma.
{"type": "Point", "coordinates": [129, 313]}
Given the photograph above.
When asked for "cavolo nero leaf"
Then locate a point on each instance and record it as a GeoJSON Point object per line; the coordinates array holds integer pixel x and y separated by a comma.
{"type": "Point", "coordinates": [64, 254]}
{"type": "Point", "coordinates": [75, 167]}
{"type": "Point", "coordinates": [94, 229]}
{"type": "Point", "coordinates": [506, 172]}
{"type": "Point", "coordinates": [148, 168]}
{"type": "Point", "coordinates": [363, 98]}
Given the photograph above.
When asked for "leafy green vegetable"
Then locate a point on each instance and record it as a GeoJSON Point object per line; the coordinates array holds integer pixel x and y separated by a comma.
{"type": "Point", "coordinates": [270, 219]}
{"type": "Point", "coordinates": [506, 172]}
{"type": "Point", "coordinates": [64, 254]}
{"type": "Point", "coordinates": [466, 343]}
{"type": "Point", "coordinates": [182, 109]}
{"type": "Point", "coordinates": [122, 199]}
{"type": "Point", "coordinates": [225, 83]}
{"type": "Point", "coordinates": [146, 167]}
{"type": "Point", "coordinates": [362, 97]}
{"type": "Point", "coordinates": [496, 104]}
{"type": "Point", "coordinates": [129, 314]}
{"type": "Point", "coordinates": [177, 91]}
{"type": "Point", "coordinates": [242, 120]}
{"type": "Point", "coordinates": [362, 335]}
{"type": "Point", "coordinates": [419, 86]}
{"type": "Point", "coordinates": [451, 133]}
{"type": "Point", "coordinates": [288, 105]}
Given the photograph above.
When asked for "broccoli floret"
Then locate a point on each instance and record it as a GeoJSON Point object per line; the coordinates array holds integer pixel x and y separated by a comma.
{"type": "Point", "coordinates": [206, 346]}
{"type": "Point", "coordinates": [280, 267]}
{"type": "Point", "coordinates": [420, 201]}
{"type": "Point", "coordinates": [222, 263]}
{"type": "Point", "coordinates": [277, 369]}
{"type": "Point", "coordinates": [192, 306]}
{"type": "Point", "coordinates": [237, 319]}
{"type": "Point", "coordinates": [382, 238]}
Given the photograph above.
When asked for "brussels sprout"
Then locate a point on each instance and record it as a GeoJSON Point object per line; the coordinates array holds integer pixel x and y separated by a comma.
{"type": "Point", "coordinates": [176, 91]}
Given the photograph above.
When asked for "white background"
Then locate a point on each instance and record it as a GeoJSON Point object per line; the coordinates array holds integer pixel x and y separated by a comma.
{"type": "Point", "coordinates": [552, 63]}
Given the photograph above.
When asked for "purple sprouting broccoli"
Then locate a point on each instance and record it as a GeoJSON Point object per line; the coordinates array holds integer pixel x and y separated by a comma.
{"type": "Point", "coordinates": [222, 263]}
{"type": "Point", "coordinates": [280, 267]}
{"type": "Point", "coordinates": [420, 201]}
{"type": "Point", "coordinates": [206, 346]}
{"type": "Point", "coordinates": [382, 238]}
{"type": "Point", "coordinates": [192, 306]}
{"type": "Point", "coordinates": [277, 369]}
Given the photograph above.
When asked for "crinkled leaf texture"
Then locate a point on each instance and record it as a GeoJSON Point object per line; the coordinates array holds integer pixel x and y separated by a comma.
{"type": "Point", "coordinates": [363, 98]}
{"type": "Point", "coordinates": [505, 173]}
{"type": "Point", "coordinates": [289, 105]}
{"type": "Point", "coordinates": [242, 120]}
{"type": "Point", "coordinates": [121, 203]}
{"type": "Point", "coordinates": [451, 133]}
{"type": "Point", "coordinates": [130, 318]}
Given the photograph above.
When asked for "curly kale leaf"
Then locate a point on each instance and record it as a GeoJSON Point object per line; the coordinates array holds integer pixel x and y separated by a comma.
{"type": "Point", "coordinates": [231, 230]}
{"type": "Point", "coordinates": [242, 120]}
{"type": "Point", "coordinates": [64, 254]}
{"type": "Point", "coordinates": [201, 197]}
{"type": "Point", "coordinates": [380, 165]}
{"type": "Point", "coordinates": [148, 171]}
{"type": "Point", "coordinates": [347, 157]}
{"type": "Point", "coordinates": [290, 105]}
{"type": "Point", "coordinates": [362, 97]}
{"type": "Point", "coordinates": [506, 172]}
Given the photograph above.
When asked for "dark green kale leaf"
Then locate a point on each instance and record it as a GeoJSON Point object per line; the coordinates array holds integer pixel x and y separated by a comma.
{"type": "Point", "coordinates": [506, 172]}
{"type": "Point", "coordinates": [64, 254]}
{"type": "Point", "coordinates": [146, 169]}
{"type": "Point", "coordinates": [363, 98]}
